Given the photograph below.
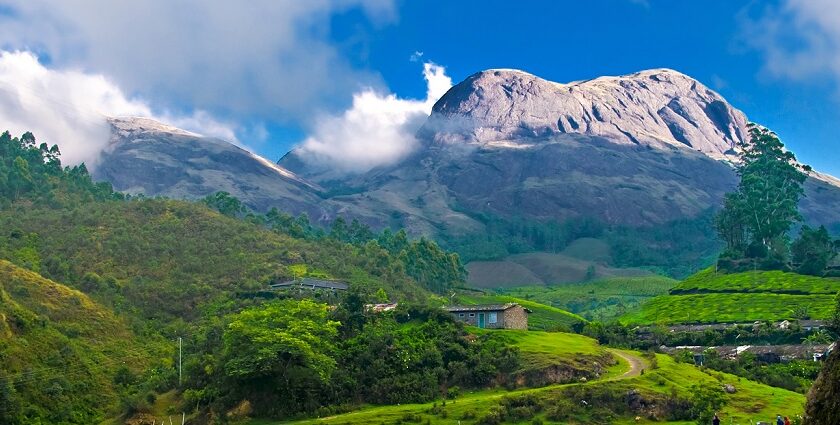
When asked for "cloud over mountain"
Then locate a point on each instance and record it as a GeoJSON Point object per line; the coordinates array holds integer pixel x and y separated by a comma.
{"type": "Point", "coordinates": [69, 108]}
{"type": "Point", "coordinates": [378, 129]}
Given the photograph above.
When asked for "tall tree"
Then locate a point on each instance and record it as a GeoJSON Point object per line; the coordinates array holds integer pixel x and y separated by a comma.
{"type": "Point", "coordinates": [813, 250]}
{"type": "Point", "coordinates": [766, 203]}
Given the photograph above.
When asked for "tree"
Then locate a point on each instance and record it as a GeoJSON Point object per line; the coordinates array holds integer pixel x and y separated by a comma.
{"type": "Point", "coordinates": [812, 250]}
{"type": "Point", "coordinates": [706, 400]}
{"type": "Point", "coordinates": [834, 323]}
{"type": "Point", "coordinates": [287, 345]}
{"type": "Point", "coordinates": [757, 216]}
{"type": "Point", "coordinates": [226, 204]}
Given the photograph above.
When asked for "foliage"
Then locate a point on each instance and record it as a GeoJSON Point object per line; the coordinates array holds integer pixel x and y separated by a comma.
{"type": "Point", "coordinates": [411, 355]}
{"type": "Point", "coordinates": [287, 345]}
{"type": "Point", "coordinates": [154, 270]}
{"type": "Point", "coordinates": [669, 388]}
{"type": "Point", "coordinates": [677, 248]}
{"type": "Point", "coordinates": [813, 250]}
{"type": "Point", "coordinates": [706, 400]}
{"type": "Point", "coordinates": [795, 375]}
{"type": "Point", "coordinates": [714, 297]}
{"type": "Point", "coordinates": [834, 321]}
{"type": "Point", "coordinates": [757, 216]}
{"type": "Point", "coordinates": [33, 172]}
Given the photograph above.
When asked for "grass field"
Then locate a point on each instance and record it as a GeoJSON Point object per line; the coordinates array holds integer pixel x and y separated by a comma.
{"type": "Point", "coordinates": [597, 300]}
{"type": "Point", "coordinates": [759, 281]}
{"type": "Point", "coordinates": [750, 403]}
{"type": "Point", "coordinates": [543, 317]}
{"type": "Point", "coordinates": [728, 308]}
{"type": "Point", "coordinates": [710, 297]}
{"type": "Point", "coordinates": [543, 349]}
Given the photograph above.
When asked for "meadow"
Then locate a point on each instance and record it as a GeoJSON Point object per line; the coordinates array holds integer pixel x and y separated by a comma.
{"type": "Point", "coordinates": [714, 297]}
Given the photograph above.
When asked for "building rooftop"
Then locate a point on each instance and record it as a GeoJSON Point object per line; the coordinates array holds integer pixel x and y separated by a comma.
{"type": "Point", "coordinates": [311, 284]}
{"type": "Point", "coordinates": [482, 307]}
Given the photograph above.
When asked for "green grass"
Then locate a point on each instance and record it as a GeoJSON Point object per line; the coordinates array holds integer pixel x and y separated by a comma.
{"type": "Point", "coordinates": [751, 402]}
{"type": "Point", "coordinates": [600, 299]}
{"type": "Point", "coordinates": [543, 317]}
{"type": "Point", "coordinates": [543, 349]}
{"type": "Point", "coordinates": [759, 281]}
{"type": "Point", "coordinates": [60, 349]}
{"type": "Point", "coordinates": [728, 308]}
{"type": "Point", "coordinates": [710, 297]}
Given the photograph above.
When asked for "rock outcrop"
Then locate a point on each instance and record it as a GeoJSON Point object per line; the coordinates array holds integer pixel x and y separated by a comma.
{"type": "Point", "coordinates": [659, 107]}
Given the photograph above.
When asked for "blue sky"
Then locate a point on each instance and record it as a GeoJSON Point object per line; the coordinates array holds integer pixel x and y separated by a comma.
{"type": "Point", "coordinates": [274, 73]}
{"type": "Point", "coordinates": [566, 41]}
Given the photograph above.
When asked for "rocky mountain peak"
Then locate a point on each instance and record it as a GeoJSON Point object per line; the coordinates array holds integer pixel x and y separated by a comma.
{"type": "Point", "coordinates": [658, 107]}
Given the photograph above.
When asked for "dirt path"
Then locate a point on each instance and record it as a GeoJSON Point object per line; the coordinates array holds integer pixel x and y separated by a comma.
{"type": "Point", "coordinates": [636, 364]}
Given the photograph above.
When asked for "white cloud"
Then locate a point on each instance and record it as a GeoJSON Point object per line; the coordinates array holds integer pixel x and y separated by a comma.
{"type": "Point", "coordinates": [378, 129]}
{"type": "Point", "coordinates": [69, 108]}
{"type": "Point", "coordinates": [254, 60]}
{"type": "Point", "coordinates": [799, 39]}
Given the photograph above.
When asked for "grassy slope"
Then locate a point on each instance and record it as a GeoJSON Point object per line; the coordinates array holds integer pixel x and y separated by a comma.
{"type": "Point", "coordinates": [759, 281]}
{"type": "Point", "coordinates": [600, 299]}
{"type": "Point", "coordinates": [60, 348]}
{"type": "Point", "coordinates": [543, 317]}
{"type": "Point", "coordinates": [709, 297]}
{"type": "Point", "coordinates": [163, 265]}
{"type": "Point", "coordinates": [543, 349]}
{"type": "Point", "coordinates": [752, 401]}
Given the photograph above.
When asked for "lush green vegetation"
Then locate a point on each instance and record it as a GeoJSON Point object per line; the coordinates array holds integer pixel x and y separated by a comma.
{"type": "Point", "coordinates": [756, 219]}
{"type": "Point", "coordinates": [63, 356]}
{"type": "Point", "coordinates": [795, 375]}
{"type": "Point", "coordinates": [714, 297]}
{"type": "Point", "coordinates": [542, 317]}
{"type": "Point", "coordinates": [681, 392]}
{"type": "Point", "coordinates": [678, 248]}
{"type": "Point", "coordinates": [758, 281]}
{"type": "Point", "coordinates": [602, 300]}
{"type": "Point", "coordinates": [158, 269]}
{"type": "Point", "coordinates": [317, 362]}
{"type": "Point", "coordinates": [730, 308]}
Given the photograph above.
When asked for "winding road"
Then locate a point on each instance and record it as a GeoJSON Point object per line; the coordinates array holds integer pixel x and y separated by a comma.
{"type": "Point", "coordinates": [636, 364]}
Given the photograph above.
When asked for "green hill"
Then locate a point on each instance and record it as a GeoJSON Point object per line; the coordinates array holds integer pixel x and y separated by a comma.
{"type": "Point", "coordinates": [664, 394]}
{"type": "Point", "coordinates": [136, 274]}
{"type": "Point", "coordinates": [709, 297]}
{"type": "Point", "coordinates": [60, 351]}
{"type": "Point", "coordinates": [601, 299]}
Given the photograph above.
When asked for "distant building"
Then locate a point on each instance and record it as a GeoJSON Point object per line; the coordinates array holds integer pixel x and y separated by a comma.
{"type": "Point", "coordinates": [492, 316]}
{"type": "Point", "coordinates": [311, 284]}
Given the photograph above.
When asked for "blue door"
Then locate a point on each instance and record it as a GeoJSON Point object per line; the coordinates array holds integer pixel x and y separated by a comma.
{"type": "Point", "coordinates": [480, 320]}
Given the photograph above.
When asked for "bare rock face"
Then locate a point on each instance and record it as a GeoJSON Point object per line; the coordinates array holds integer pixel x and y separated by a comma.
{"type": "Point", "coordinates": [154, 159]}
{"type": "Point", "coordinates": [659, 107]}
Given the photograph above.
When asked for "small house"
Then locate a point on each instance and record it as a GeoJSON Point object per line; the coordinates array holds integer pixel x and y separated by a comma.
{"type": "Point", "coordinates": [492, 316]}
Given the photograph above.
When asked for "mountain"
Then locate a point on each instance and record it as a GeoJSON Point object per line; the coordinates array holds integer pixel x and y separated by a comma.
{"type": "Point", "coordinates": [640, 149]}
{"type": "Point", "coordinates": [507, 163]}
{"type": "Point", "coordinates": [150, 158]}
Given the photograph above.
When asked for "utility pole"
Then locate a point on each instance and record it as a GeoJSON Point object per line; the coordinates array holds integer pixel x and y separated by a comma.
{"type": "Point", "coordinates": [179, 361]}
